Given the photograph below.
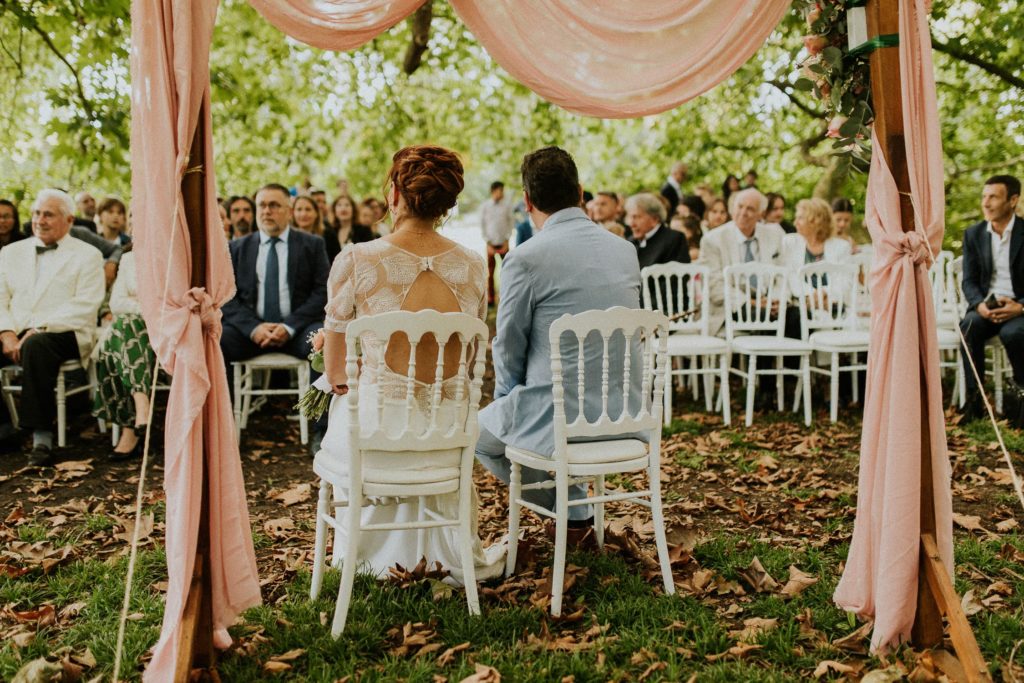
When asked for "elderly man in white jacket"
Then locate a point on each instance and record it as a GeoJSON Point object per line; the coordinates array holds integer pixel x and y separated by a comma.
{"type": "Point", "coordinates": [51, 287]}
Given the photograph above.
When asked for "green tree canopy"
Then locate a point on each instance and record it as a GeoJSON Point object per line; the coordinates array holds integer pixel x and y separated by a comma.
{"type": "Point", "coordinates": [286, 111]}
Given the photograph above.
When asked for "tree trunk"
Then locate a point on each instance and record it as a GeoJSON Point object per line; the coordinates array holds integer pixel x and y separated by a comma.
{"type": "Point", "coordinates": [832, 180]}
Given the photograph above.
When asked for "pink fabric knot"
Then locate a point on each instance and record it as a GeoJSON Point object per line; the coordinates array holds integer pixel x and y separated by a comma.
{"type": "Point", "coordinates": [910, 244]}
{"type": "Point", "coordinates": [198, 300]}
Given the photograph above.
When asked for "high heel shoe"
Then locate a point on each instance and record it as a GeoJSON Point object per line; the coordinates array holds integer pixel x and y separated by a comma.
{"type": "Point", "coordinates": [136, 452]}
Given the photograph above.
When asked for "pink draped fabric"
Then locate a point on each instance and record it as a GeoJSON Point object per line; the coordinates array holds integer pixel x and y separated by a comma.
{"type": "Point", "coordinates": [335, 24]}
{"type": "Point", "coordinates": [604, 58]}
{"type": "Point", "coordinates": [881, 575]}
{"type": "Point", "coordinates": [170, 80]}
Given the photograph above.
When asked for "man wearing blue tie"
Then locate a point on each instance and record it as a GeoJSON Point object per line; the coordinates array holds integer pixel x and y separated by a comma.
{"type": "Point", "coordinates": [281, 284]}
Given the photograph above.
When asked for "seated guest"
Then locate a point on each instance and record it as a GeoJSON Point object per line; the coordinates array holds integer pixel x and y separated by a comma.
{"type": "Point", "coordinates": [730, 185]}
{"type": "Point", "coordinates": [320, 197]}
{"type": "Point", "coordinates": [369, 217]}
{"type": "Point", "coordinates": [281, 280]}
{"type": "Point", "coordinates": [413, 268]}
{"type": "Point", "coordinates": [742, 240]}
{"type": "Point", "coordinates": [813, 242]}
{"type": "Point", "coordinates": [86, 205]}
{"type": "Point", "coordinates": [125, 363]}
{"type": "Point", "coordinates": [345, 230]}
{"type": "Point", "coordinates": [241, 212]}
{"type": "Point", "coordinates": [225, 222]}
{"type": "Point", "coordinates": [704, 191]}
{"type": "Point", "coordinates": [10, 226]}
{"type": "Point", "coordinates": [776, 212]}
{"type": "Point", "coordinates": [51, 287]}
{"type": "Point", "coordinates": [994, 285]}
{"type": "Point", "coordinates": [524, 230]}
{"type": "Point", "coordinates": [645, 214]}
{"type": "Point", "coordinates": [691, 205]}
{"type": "Point", "coordinates": [716, 215]}
{"type": "Point", "coordinates": [605, 213]}
{"type": "Point", "coordinates": [842, 211]}
{"type": "Point", "coordinates": [689, 225]}
{"type": "Point", "coordinates": [571, 265]}
{"type": "Point", "coordinates": [306, 216]}
{"type": "Point", "coordinates": [113, 221]}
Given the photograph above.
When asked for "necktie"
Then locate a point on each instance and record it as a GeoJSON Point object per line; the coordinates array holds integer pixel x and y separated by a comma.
{"type": "Point", "coordinates": [272, 285]}
{"type": "Point", "coordinates": [748, 257]}
{"type": "Point", "coordinates": [49, 247]}
{"type": "Point", "coordinates": [748, 249]}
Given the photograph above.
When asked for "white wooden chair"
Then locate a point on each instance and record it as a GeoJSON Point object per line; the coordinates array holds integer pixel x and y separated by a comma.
{"type": "Point", "coordinates": [751, 289]}
{"type": "Point", "coordinates": [828, 324]}
{"type": "Point", "coordinates": [862, 260]}
{"type": "Point", "coordinates": [8, 388]}
{"type": "Point", "coordinates": [252, 380]}
{"type": "Point", "coordinates": [370, 470]}
{"type": "Point", "coordinates": [622, 350]}
{"type": "Point", "coordinates": [668, 288]}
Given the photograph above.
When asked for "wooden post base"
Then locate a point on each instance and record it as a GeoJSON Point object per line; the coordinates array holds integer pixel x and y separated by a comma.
{"type": "Point", "coordinates": [941, 588]}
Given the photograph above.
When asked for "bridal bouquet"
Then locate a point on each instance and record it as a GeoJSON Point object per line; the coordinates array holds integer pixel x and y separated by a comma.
{"type": "Point", "coordinates": [316, 400]}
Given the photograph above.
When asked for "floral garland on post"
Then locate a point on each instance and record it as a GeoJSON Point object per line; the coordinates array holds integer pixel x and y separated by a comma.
{"type": "Point", "coordinates": [839, 77]}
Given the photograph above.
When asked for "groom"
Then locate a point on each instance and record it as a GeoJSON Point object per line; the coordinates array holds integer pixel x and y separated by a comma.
{"type": "Point", "coordinates": [570, 265]}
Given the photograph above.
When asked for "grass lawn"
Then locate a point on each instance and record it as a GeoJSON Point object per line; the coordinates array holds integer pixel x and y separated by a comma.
{"type": "Point", "coordinates": [759, 519]}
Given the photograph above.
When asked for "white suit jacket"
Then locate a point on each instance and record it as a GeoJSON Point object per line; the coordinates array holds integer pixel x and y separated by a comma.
{"type": "Point", "coordinates": [794, 250]}
{"type": "Point", "coordinates": [723, 247]}
{"type": "Point", "coordinates": [66, 298]}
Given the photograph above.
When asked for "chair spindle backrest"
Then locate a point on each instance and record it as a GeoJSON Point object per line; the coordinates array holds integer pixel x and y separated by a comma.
{"type": "Point", "coordinates": [829, 300]}
{"type": "Point", "coordinates": [678, 288]}
{"type": "Point", "coordinates": [751, 290]}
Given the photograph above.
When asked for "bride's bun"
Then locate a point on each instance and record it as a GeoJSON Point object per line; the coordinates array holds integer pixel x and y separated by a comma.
{"type": "Point", "coordinates": [428, 178]}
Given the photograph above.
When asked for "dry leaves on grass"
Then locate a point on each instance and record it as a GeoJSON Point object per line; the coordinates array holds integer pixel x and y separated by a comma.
{"type": "Point", "coordinates": [299, 493]}
{"type": "Point", "coordinates": [758, 579]}
{"type": "Point", "coordinates": [798, 582]}
{"type": "Point", "coordinates": [483, 674]}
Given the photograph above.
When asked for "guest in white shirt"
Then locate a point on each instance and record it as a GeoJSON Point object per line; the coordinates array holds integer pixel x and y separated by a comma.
{"type": "Point", "coordinates": [994, 285]}
{"type": "Point", "coordinates": [742, 240]}
{"type": "Point", "coordinates": [496, 224]}
{"type": "Point", "coordinates": [51, 288]}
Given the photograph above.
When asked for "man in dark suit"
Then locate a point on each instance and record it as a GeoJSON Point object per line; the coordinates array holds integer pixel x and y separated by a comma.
{"type": "Point", "coordinates": [672, 190]}
{"type": "Point", "coordinates": [993, 284]}
{"type": "Point", "coordinates": [281, 281]}
{"type": "Point", "coordinates": [655, 242]}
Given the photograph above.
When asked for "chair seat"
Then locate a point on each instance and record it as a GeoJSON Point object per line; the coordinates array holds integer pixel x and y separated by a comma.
{"type": "Point", "coordinates": [840, 339]}
{"type": "Point", "coordinates": [947, 320]}
{"type": "Point", "coordinates": [696, 345]}
{"type": "Point", "coordinates": [379, 467]}
{"type": "Point", "coordinates": [758, 344]}
{"type": "Point", "coordinates": [588, 452]}
{"type": "Point", "coordinates": [272, 360]}
{"type": "Point", "coordinates": [948, 339]}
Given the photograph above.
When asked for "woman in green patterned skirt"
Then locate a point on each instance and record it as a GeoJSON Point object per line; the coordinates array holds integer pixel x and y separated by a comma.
{"type": "Point", "coordinates": [125, 363]}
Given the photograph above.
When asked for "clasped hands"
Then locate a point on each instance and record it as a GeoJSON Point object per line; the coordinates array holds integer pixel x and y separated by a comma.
{"type": "Point", "coordinates": [12, 345]}
{"type": "Point", "coordinates": [270, 335]}
{"type": "Point", "coordinates": [1009, 310]}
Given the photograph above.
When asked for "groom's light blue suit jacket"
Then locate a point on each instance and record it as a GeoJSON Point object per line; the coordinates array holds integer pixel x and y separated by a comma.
{"type": "Point", "coordinates": [572, 265]}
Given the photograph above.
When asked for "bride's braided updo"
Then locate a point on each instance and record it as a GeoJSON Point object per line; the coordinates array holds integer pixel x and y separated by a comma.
{"type": "Point", "coordinates": [428, 178]}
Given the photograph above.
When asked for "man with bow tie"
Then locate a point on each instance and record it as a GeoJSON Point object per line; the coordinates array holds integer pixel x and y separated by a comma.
{"type": "Point", "coordinates": [51, 288]}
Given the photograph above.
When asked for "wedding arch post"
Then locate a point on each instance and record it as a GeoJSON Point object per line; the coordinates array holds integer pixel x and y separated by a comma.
{"type": "Point", "coordinates": [196, 650]}
{"type": "Point", "coordinates": [936, 596]}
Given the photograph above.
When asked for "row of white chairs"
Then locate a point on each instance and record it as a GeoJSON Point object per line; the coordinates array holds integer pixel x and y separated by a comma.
{"type": "Point", "coordinates": [756, 298]}
{"type": "Point", "coordinates": [9, 387]}
{"type": "Point", "coordinates": [619, 352]}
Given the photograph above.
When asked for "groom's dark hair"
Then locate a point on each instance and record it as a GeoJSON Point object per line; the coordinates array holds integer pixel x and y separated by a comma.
{"type": "Point", "coordinates": [551, 180]}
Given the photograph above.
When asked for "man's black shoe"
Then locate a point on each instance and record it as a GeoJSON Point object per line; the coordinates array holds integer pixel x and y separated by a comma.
{"type": "Point", "coordinates": [974, 408]}
{"type": "Point", "coordinates": [40, 456]}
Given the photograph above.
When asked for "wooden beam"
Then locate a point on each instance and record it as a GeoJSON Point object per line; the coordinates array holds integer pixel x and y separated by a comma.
{"type": "Point", "coordinates": [883, 19]}
{"type": "Point", "coordinates": [949, 603]}
{"type": "Point", "coordinates": [196, 650]}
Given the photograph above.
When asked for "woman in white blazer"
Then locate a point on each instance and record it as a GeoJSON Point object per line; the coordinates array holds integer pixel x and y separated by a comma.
{"type": "Point", "coordinates": [813, 242]}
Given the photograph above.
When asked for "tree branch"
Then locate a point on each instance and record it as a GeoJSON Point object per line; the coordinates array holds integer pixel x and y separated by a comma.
{"type": "Point", "coordinates": [90, 112]}
{"type": "Point", "coordinates": [784, 88]}
{"type": "Point", "coordinates": [420, 24]}
{"type": "Point", "coordinates": [983, 64]}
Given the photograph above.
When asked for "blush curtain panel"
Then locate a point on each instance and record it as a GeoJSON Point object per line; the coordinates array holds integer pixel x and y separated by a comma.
{"type": "Point", "coordinates": [880, 579]}
{"type": "Point", "coordinates": [599, 58]}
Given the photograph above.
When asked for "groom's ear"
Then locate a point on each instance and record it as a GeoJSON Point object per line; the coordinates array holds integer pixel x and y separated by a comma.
{"type": "Point", "coordinates": [526, 200]}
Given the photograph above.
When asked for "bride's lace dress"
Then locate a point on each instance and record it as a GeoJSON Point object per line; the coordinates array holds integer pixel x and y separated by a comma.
{"type": "Point", "coordinates": [377, 277]}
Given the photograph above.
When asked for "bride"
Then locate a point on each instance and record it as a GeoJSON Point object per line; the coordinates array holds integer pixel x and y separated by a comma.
{"type": "Point", "coordinates": [413, 268]}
